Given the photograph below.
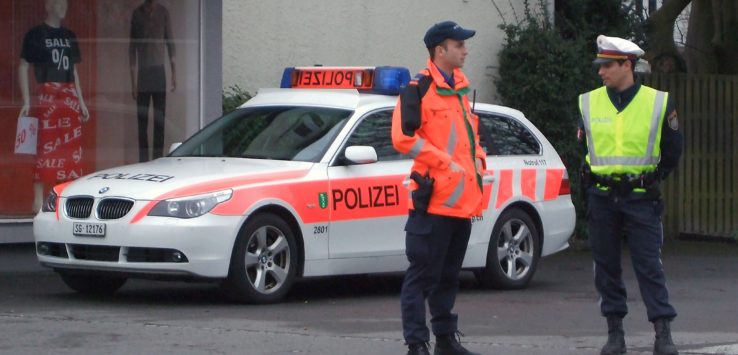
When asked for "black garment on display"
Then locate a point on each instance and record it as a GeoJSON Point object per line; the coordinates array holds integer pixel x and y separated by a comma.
{"type": "Point", "coordinates": [151, 40]}
{"type": "Point", "coordinates": [151, 89]}
{"type": "Point", "coordinates": [53, 52]}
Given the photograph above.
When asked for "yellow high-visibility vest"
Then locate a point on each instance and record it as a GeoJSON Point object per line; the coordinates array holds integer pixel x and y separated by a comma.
{"type": "Point", "coordinates": [625, 142]}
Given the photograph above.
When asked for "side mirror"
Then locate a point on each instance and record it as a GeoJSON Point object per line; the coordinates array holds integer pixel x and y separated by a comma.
{"type": "Point", "coordinates": [174, 146]}
{"type": "Point", "coordinates": [361, 154]}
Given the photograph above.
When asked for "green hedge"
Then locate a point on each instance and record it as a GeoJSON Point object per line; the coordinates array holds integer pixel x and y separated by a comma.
{"type": "Point", "coordinates": [233, 97]}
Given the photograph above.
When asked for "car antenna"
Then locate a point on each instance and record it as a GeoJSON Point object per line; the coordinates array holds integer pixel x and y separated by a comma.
{"type": "Point", "coordinates": [474, 100]}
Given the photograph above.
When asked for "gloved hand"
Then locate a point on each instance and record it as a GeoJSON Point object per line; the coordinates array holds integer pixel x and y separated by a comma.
{"type": "Point", "coordinates": [585, 179]}
{"type": "Point", "coordinates": [653, 190]}
{"type": "Point", "coordinates": [422, 195]}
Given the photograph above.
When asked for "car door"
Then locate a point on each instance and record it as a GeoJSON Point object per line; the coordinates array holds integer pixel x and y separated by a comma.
{"type": "Point", "coordinates": [368, 202]}
{"type": "Point", "coordinates": [515, 156]}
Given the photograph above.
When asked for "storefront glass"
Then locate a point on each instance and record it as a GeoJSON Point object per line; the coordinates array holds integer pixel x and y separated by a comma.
{"type": "Point", "coordinates": [90, 84]}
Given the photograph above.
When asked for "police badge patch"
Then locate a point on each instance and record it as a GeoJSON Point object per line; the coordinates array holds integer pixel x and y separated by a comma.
{"type": "Point", "coordinates": [673, 121]}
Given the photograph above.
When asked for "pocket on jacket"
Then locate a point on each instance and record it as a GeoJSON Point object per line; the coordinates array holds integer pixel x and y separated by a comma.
{"type": "Point", "coordinates": [446, 185]}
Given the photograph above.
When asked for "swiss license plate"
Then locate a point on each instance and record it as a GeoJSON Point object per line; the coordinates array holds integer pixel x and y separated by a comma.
{"type": "Point", "coordinates": [88, 229]}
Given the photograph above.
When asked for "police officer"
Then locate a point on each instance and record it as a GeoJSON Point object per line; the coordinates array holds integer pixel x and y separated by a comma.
{"type": "Point", "coordinates": [434, 124]}
{"type": "Point", "coordinates": [633, 143]}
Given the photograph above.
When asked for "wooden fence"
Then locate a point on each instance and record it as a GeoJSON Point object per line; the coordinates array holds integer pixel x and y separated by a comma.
{"type": "Point", "coordinates": [702, 194]}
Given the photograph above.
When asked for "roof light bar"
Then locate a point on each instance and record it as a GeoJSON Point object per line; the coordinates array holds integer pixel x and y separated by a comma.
{"type": "Point", "coordinates": [380, 80]}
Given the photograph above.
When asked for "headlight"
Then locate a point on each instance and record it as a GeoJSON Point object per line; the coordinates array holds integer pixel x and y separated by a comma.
{"type": "Point", "coordinates": [190, 207]}
{"type": "Point", "coordinates": [50, 202]}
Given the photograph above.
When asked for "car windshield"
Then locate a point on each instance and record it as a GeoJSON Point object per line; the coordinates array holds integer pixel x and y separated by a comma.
{"type": "Point", "coordinates": [280, 133]}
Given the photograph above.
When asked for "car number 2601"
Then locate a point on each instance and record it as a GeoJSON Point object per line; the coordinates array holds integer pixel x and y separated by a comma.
{"type": "Point", "coordinates": [89, 229]}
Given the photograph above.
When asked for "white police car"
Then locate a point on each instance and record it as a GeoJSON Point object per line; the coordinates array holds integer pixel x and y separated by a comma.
{"type": "Point", "coordinates": [300, 181]}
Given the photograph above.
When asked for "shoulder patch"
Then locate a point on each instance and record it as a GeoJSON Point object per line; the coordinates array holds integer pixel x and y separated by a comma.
{"type": "Point", "coordinates": [673, 121]}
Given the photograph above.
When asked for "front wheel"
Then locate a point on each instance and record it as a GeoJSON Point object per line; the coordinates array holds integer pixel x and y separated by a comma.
{"type": "Point", "coordinates": [92, 284]}
{"type": "Point", "coordinates": [264, 261]}
{"type": "Point", "coordinates": [514, 251]}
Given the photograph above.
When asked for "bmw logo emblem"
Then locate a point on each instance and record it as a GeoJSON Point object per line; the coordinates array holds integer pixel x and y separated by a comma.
{"type": "Point", "coordinates": [103, 190]}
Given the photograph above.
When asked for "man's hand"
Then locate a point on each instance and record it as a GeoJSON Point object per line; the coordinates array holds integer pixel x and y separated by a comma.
{"type": "Point", "coordinates": [455, 167]}
{"type": "Point", "coordinates": [480, 165]}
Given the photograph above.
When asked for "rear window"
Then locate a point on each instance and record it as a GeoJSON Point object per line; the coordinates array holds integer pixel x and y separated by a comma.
{"type": "Point", "coordinates": [503, 135]}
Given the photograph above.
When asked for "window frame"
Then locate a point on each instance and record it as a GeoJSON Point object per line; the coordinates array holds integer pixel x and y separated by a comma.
{"type": "Point", "coordinates": [488, 136]}
{"type": "Point", "coordinates": [338, 160]}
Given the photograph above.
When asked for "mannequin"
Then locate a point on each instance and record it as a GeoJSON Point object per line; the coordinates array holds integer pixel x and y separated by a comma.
{"type": "Point", "coordinates": [151, 34]}
{"type": "Point", "coordinates": [54, 52]}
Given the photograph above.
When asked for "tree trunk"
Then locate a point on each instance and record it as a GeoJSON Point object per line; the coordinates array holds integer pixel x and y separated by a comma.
{"type": "Point", "coordinates": [712, 41]}
{"type": "Point", "coordinates": [662, 52]}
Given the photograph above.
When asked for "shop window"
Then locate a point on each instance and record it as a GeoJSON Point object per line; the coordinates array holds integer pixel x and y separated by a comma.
{"type": "Point", "coordinates": [91, 84]}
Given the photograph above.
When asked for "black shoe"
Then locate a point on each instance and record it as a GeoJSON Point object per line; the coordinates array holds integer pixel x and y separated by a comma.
{"type": "Point", "coordinates": [663, 345]}
{"type": "Point", "coordinates": [449, 345]}
{"type": "Point", "coordinates": [615, 337]}
{"type": "Point", "coordinates": [418, 349]}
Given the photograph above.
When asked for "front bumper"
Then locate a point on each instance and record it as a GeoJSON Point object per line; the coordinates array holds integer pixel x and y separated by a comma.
{"type": "Point", "coordinates": [154, 246]}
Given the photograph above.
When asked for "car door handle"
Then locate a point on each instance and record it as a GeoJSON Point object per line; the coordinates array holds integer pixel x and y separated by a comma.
{"type": "Point", "coordinates": [488, 179]}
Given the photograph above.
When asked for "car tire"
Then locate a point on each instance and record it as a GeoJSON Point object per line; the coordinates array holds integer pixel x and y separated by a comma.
{"type": "Point", "coordinates": [92, 284]}
{"type": "Point", "coordinates": [264, 261]}
{"type": "Point", "coordinates": [514, 251]}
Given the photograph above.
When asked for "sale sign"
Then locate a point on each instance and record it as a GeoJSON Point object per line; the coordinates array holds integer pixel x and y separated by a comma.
{"type": "Point", "coordinates": [26, 135]}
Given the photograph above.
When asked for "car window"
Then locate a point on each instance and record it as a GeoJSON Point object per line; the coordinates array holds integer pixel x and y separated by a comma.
{"type": "Point", "coordinates": [281, 133]}
{"type": "Point", "coordinates": [376, 130]}
{"type": "Point", "coordinates": [506, 136]}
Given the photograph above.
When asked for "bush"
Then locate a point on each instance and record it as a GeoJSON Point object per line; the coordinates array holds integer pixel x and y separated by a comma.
{"type": "Point", "coordinates": [542, 74]}
{"type": "Point", "coordinates": [233, 97]}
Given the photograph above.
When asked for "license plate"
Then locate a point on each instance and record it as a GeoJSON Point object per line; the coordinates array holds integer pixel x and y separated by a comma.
{"type": "Point", "coordinates": [88, 229]}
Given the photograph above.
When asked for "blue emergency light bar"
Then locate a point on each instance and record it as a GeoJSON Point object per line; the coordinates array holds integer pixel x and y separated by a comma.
{"type": "Point", "coordinates": [378, 80]}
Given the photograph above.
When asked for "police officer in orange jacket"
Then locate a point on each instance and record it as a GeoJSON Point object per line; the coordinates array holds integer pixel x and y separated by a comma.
{"type": "Point", "coordinates": [433, 123]}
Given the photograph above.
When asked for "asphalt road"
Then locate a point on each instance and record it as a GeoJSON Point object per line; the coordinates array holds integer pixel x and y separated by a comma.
{"type": "Point", "coordinates": [558, 314]}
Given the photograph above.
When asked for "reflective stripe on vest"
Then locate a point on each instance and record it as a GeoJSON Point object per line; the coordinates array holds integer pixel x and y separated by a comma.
{"type": "Point", "coordinates": [616, 141]}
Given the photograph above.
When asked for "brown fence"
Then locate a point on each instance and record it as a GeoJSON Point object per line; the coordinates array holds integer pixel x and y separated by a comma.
{"type": "Point", "coordinates": [702, 194]}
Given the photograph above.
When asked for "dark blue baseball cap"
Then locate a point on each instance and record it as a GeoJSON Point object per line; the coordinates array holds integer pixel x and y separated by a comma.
{"type": "Point", "coordinates": [444, 30]}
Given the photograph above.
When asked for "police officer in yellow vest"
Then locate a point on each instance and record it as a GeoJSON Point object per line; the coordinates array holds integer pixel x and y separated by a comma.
{"type": "Point", "coordinates": [633, 142]}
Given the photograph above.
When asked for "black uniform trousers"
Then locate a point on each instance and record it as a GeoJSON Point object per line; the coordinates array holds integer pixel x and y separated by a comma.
{"type": "Point", "coordinates": [638, 220]}
{"type": "Point", "coordinates": [435, 247]}
{"type": "Point", "coordinates": [151, 90]}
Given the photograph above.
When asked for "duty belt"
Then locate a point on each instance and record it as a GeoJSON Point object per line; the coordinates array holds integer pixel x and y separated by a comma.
{"type": "Point", "coordinates": [624, 183]}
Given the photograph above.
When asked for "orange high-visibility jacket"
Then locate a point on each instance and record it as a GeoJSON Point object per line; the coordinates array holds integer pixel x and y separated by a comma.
{"type": "Point", "coordinates": [446, 125]}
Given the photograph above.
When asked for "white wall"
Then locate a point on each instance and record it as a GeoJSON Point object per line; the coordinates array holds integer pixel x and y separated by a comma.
{"type": "Point", "coordinates": [261, 38]}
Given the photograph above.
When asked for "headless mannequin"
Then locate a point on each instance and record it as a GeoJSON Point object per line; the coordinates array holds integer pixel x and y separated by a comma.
{"type": "Point", "coordinates": [56, 10]}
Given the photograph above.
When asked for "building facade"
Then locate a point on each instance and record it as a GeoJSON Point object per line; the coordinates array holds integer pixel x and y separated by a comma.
{"type": "Point", "coordinates": [261, 38]}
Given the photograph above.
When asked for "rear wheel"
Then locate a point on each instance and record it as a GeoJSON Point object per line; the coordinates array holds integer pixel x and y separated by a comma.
{"type": "Point", "coordinates": [264, 262]}
{"type": "Point", "coordinates": [92, 284]}
{"type": "Point", "coordinates": [514, 251]}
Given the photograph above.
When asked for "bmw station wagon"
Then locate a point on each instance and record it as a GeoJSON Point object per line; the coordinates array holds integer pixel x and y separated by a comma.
{"type": "Point", "coordinates": [300, 181]}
